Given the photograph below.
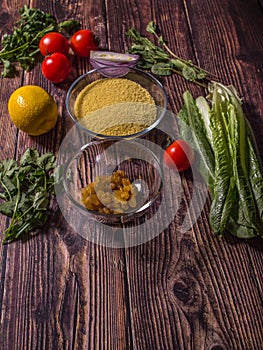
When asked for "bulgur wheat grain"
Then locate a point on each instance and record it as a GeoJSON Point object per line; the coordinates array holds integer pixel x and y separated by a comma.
{"type": "Point", "coordinates": [115, 107]}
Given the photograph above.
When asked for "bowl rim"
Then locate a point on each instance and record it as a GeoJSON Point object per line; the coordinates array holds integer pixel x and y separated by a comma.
{"type": "Point", "coordinates": [137, 134]}
{"type": "Point", "coordinates": [124, 215]}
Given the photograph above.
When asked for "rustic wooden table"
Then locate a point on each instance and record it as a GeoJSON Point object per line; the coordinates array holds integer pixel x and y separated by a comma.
{"type": "Point", "coordinates": [177, 291]}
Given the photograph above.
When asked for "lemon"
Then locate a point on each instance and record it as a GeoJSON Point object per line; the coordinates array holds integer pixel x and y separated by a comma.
{"type": "Point", "coordinates": [32, 110]}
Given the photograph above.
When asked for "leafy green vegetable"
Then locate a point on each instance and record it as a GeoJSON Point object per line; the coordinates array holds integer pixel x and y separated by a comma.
{"type": "Point", "coordinates": [255, 171]}
{"type": "Point", "coordinates": [236, 180]}
{"type": "Point", "coordinates": [26, 189]}
{"type": "Point", "coordinates": [224, 187]}
{"type": "Point", "coordinates": [22, 45]}
{"type": "Point", "coordinates": [149, 53]}
{"type": "Point", "coordinates": [161, 60]}
{"type": "Point", "coordinates": [190, 115]}
{"type": "Point", "coordinates": [161, 68]}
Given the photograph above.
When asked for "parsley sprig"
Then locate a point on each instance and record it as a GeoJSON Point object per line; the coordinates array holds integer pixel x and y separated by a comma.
{"type": "Point", "coordinates": [21, 47]}
{"type": "Point", "coordinates": [26, 190]}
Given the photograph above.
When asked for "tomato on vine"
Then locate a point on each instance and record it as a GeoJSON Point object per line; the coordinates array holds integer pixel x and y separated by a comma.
{"type": "Point", "coordinates": [83, 41]}
{"type": "Point", "coordinates": [179, 155]}
{"type": "Point", "coordinates": [56, 67]}
{"type": "Point", "coordinates": [53, 42]}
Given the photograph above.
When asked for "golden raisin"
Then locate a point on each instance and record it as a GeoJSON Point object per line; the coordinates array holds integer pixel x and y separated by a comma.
{"type": "Point", "coordinates": [110, 194]}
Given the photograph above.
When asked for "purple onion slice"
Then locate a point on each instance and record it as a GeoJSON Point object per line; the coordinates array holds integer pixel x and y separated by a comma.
{"type": "Point", "coordinates": [118, 61]}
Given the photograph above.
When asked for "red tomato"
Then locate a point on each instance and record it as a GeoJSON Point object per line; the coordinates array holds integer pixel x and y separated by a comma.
{"type": "Point", "coordinates": [53, 42]}
{"type": "Point", "coordinates": [179, 155]}
{"type": "Point", "coordinates": [83, 41]}
{"type": "Point", "coordinates": [56, 67]}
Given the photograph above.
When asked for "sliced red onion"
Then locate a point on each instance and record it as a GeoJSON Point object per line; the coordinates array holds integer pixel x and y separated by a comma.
{"type": "Point", "coordinates": [118, 62]}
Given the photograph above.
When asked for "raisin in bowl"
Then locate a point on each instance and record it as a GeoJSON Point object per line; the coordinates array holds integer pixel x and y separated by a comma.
{"type": "Point", "coordinates": [113, 181]}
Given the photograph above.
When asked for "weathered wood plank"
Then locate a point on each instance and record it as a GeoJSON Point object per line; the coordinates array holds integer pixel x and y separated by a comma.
{"type": "Point", "coordinates": [58, 291]}
{"type": "Point", "coordinates": [197, 281]}
{"type": "Point", "coordinates": [187, 290]}
{"type": "Point", "coordinates": [230, 45]}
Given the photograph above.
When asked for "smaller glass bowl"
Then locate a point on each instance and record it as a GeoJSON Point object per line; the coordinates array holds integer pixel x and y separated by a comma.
{"type": "Point", "coordinates": [103, 158]}
{"type": "Point", "coordinates": [146, 80]}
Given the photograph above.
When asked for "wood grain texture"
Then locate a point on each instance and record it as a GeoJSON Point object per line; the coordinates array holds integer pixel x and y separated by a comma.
{"type": "Point", "coordinates": [180, 291]}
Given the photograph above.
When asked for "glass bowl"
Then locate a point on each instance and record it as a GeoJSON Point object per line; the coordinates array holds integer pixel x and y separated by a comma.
{"type": "Point", "coordinates": [103, 157]}
{"type": "Point", "coordinates": [128, 110]}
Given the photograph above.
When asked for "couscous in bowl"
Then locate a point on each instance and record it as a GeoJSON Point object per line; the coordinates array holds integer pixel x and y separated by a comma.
{"type": "Point", "coordinates": [107, 104]}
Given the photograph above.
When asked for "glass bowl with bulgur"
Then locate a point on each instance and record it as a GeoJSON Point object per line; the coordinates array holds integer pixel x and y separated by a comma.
{"type": "Point", "coordinates": [107, 105]}
{"type": "Point", "coordinates": [113, 181]}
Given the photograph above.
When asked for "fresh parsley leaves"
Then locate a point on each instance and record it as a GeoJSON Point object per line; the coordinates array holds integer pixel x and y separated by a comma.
{"type": "Point", "coordinates": [22, 45]}
{"type": "Point", "coordinates": [26, 190]}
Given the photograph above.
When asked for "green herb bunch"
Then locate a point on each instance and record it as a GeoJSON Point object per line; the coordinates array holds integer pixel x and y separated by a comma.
{"type": "Point", "coordinates": [160, 59]}
{"type": "Point", "coordinates": [26, 190]}
{"type": "Point", "coordinates": [21, 46]}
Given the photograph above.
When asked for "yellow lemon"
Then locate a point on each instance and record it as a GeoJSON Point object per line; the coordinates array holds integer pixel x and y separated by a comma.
{"type": "Point", "coordinates": [32, 110]}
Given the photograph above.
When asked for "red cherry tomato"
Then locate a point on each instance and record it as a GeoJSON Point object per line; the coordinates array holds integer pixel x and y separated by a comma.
{"type": "Point", "coordinates": [179, 155]}
{"type": "Point", "coordinates": [56, 67]}
{"type": "Point", "coordinates": [83, 41]}
{"type": "Point", "coordinates": [53, 42]}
